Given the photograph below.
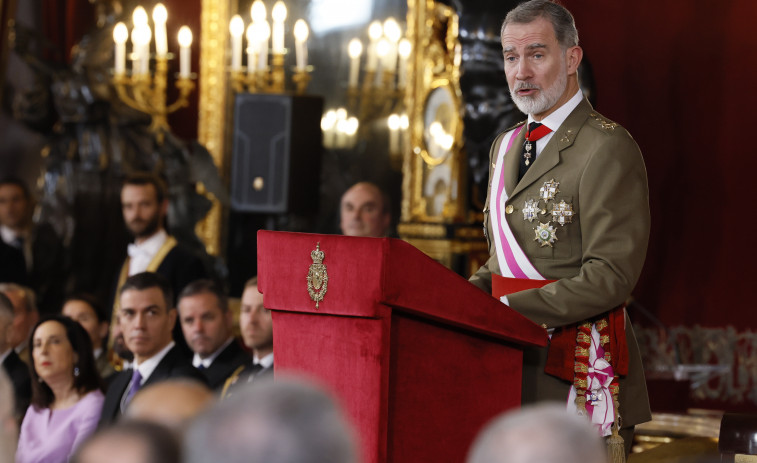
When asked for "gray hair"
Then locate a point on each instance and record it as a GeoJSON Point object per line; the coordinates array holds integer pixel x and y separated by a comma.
{"type": "Point", "coordinates": [30, 299]}
{"type": "Point", "coordinates": [8, 426]}
{"type": "Point", "coordinates": [561, 19]}
{"type": "Point", "coordinates": [285, 421]}
{"type": "Point", "coordinates": [546, 433]}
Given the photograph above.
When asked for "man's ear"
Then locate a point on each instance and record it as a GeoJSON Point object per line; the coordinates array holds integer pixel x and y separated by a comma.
{"type": "Point", "coordinates": [573, 56]}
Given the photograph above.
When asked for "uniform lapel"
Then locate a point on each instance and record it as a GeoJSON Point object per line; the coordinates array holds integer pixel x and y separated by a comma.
{"type": "Point", "coordinates": [550, 156]}
{"type": "Point", "coordinates": [512, 162]}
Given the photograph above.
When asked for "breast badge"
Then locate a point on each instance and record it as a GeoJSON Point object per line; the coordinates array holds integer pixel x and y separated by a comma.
{"type": "Point", "coordinates": [548, 191]}
{"type": "Point", "coordinates": [562, 213]}
{"type": "Point", "coordinates": [545, 234]}
{"type": "Point", "coordinates": [530, 210]}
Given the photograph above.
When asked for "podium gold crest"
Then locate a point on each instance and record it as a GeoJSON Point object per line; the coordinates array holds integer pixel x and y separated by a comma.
{"type": "Point", "coordinates": [318, 277]}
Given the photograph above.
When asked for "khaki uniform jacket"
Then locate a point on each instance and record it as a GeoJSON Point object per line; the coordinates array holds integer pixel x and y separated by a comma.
{"type": "Point", "coordinates": [596, 259]}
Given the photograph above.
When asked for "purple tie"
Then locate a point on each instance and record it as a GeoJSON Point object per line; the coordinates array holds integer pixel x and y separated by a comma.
{"type": "Point", "coordinates": [136, 380]}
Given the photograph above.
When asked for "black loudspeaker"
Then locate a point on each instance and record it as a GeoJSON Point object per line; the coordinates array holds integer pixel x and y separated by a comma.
{"type": "Point", "coordinates": [276, 159]}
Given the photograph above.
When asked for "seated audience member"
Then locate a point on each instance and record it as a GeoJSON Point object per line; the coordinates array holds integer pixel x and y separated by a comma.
{"type": "Point", "coordinates": [282, 421]}
{"type": "Point", "coordinates": [66, 392]}
{"type": "Point", "coordinates": [38, 244]}
{"type": "Point", "coordinates": [257, 333]}
{"type": "Point", "coordinates": [146, 317]}
{"type": "Point", "coordinates": [16, 369]}
{"type": "Point", "coordinates": [365, 211]}
{"type": "Point", "coordinates": [130, 442]}
{"type": "Point", "coordinates": [173, 403]}
{"type": "Point", "coordinates": [85, 309]}
{"type": "Point", "coordinates": [8, 423]}
{"type": "Point", "coordinates": [544, 433]}
{"type": "Point", "coordinates": [208, 327]}
{"type": "Point", "coordinates": [25, 316]}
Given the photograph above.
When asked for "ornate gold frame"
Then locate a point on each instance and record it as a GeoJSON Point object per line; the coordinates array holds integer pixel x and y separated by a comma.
{"type": "Point", "coordinates": [212, 112]}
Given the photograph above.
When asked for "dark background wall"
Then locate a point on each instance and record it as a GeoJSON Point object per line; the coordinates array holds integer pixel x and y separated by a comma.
{"type": "Point", "coordinates": [680, 76]}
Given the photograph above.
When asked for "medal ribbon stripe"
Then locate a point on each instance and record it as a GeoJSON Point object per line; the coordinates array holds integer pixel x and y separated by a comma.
{"type": "Point", "coordinates": [513, 261]}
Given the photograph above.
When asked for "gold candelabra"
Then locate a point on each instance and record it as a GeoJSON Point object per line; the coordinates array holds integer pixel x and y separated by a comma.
{"type": "Point", "coordinates": [147, 93]}
{"type": "Point", "coordinates": [271, 80]}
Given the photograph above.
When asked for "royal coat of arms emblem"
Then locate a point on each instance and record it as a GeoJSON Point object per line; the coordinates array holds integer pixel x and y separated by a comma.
{"type": "Point", "coordinates": [318, 277]}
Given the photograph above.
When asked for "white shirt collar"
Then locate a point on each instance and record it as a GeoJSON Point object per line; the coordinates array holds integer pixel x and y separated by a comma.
{"type": "Point", "coordinates": [558, 116]}
{"type": "Point", "coordinates": [207, 361]}
{"type": "Point", "coordinates": [8, 235]}
{"type": "Point", "coordinates": [265, 362]}
{"type": "Point", "coordinates": [152, 244]}
{"type": "Point", "coordinates": [4, 355]}
{"type": "Point", "coordinates": [148, 366]}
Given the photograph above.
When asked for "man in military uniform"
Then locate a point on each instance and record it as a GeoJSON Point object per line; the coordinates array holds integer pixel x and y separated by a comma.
{"type": "Point", "coordinates": [567, 220]}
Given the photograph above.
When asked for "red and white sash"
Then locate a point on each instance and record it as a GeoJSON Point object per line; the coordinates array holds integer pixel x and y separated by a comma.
{"type": "Point", "coordinates": [513, 262]}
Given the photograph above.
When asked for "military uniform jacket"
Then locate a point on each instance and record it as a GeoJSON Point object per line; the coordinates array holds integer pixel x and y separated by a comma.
{"type": "Point", "coordinates": [597, 258]}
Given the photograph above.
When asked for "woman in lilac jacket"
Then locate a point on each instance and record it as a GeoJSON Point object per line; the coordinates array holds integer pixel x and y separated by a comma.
{"type": "Point", "coordinates": [66, 392]}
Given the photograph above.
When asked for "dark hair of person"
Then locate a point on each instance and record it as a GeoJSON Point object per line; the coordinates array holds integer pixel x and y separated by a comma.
{"type": "Point", "coordinates": [147, 178]}
{"type": "Point", "coordinates": [17, 181]}
{"type": "Point", "coordinates": [251, 282]}
{"type": "Point", "coordinates": [162, 445]}
{"type": "Point", "coordinates": [92, 301]}
{"type": "Point", "coordinates": [88, 378]}
{"type": "Point", "coordinates": [147, 280]}
{"type": "Point", "coordinates": [561, 19]}
{"type": "Point", "coordinates": [204, 286]}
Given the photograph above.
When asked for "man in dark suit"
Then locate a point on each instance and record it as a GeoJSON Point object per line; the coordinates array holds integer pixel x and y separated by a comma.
{"type": "Point", "coordinates": [39, 246]}
{"type": "Point", "coordinates": [208, 326]}
{"type": "Point", "coordinates": [256, 326]}
{"type": "Point", "coordinates": [16, 369]}
{"type": "Point", "coordinates": [144, 205]}
{"type": "Point", "coordinates": [146, 317]}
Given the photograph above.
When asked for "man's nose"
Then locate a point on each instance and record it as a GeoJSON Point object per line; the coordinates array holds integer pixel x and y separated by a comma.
{"type": "Point", "coordinates": [523, 70]}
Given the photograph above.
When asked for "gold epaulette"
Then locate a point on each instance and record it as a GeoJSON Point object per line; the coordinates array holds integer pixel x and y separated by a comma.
{"type": "Point", "coordinates": [231, 380]}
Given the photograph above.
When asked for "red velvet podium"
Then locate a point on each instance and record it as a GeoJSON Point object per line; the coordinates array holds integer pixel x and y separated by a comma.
{"type": "Point", "coordinates": [419, 358]}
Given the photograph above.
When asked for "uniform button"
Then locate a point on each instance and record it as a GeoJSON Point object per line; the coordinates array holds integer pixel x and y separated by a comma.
{"type": "Point", "coordinates": [544, 325]}
{"type": "Point", "coordinates": [509, 209]}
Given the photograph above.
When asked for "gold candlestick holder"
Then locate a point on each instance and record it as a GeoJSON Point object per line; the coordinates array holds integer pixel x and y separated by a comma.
{"type": "Point", "coordinates": [147, 93]}
{"type": "Point", "coordinates": [272, 79]}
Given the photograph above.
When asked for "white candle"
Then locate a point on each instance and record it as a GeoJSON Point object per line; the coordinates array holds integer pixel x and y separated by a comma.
{"type": "Point", "coordinates": [140, 39]}
{"type": "Point", "coordinates": [252, 48]}
{"type": "Point", "coordinates": [185, 57]}
{"type": "Point", "coordinates": [236, 29]}
{"type": "Point", "coordinates": [301, 33]}
{"type": "Point", "coordinates": [394, 133]}
{"type": "Point", "coordinates": [374, 33]}
{"type": "Point", "coordinates": [355, 49]}
{"type": "Point", "coordinates": [279, 15]}
{"type": "Point", "coordinates": [159, 17]}
{"type": "Point", "coordinates": [120, 35]}
{"type": "Point", "coordinates": [341, 129]}
{"type": "Point", "coordinates": [382, 48]}
{"type": "Point", "coordinates": [264, 31]}
{"type": "Point", "coordinates": [393, 33]}
{"type": "Point", "coordinates": [328, 123]}
{"type": "Point", "coordinates": [404, 50]}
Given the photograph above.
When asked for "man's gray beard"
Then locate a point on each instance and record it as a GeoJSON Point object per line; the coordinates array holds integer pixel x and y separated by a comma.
{"type": "Point", "coordinates": [545, 99]}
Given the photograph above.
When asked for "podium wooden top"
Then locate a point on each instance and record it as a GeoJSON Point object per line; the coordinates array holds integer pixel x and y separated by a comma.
{"type": "Point", "coordinates": [370, 277]}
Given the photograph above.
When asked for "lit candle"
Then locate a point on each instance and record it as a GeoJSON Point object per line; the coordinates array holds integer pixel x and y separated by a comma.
{"type": "Point", "coordinates": [355, 49]}
{"type": "Point", "coordinates": [394, 133]}
{"type": "Point", "coordinates": [404, 125]}
{"type": "Point", "coordinates": [404, 49]}
{"type": "Point", "coordinates": [257, 11]}
{"type": "Point", "coordinates": [374, 33]}
{"type": "Point", "coordinates": [236, 29]}
{"type": "Point", "coordinates": [352, 126]}
{"type": "Point", "coordinates": [341, 133]}
{"type": "Point", "coordinates": [301, 33]}
{"type": "Point", "coordinates": [392, 33]}
{"type": "Point", "coordinates": [382, 48]}
{"type": "Point", "coordinates": [159, 17]}
{"type": "Point", "coordinates": [264, 33]}
{"type": "Point", "coordinates": [140, 38]}
{"type": "Point", "coordinates": [252, 48]}
{"type": "Point", "coordinates": [185, 57]}
{"type": "Point", "coordinates": [120, 35]}
{"type": "Point", "coordinates": [328, 123]}
{"type": "Point", "coordinates": [279, 15]}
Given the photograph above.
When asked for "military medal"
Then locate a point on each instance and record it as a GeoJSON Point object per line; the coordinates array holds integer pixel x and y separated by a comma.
{"type": "Point", "coordinates": [548, 191]}
{"type": "Point", "coordinates": [527, 154]}
{"type": "Point", "coordinates": [530, 210]}
{"type": "Point", "coordinates": [545, 234]}
{"type": "Point", "coordinates": [562, 213]}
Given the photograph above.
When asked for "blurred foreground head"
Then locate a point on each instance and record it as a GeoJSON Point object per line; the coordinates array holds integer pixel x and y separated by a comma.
{"type": "Point", "coordinates": [286, 421]}
{"type": "Point", "coordinates": [544, 433]}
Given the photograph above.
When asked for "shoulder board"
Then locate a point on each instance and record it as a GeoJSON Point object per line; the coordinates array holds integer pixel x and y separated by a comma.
{"type": "Point", "coordinates": [515, 126]}
{"type": "Point", "coordinates": [602, 123]}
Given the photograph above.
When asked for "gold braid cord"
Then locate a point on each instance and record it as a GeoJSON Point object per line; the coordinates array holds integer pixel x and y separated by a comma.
{"type": "Point", "coordinates": [615, 444]}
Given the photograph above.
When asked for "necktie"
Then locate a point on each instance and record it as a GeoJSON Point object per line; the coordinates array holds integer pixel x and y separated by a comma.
{"type": "Point", "coordinates": [136, 380]}
{"type": "Point", "coordinates": [534, 132]}
{"type": "Point", "coordinates": [18, 243]}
